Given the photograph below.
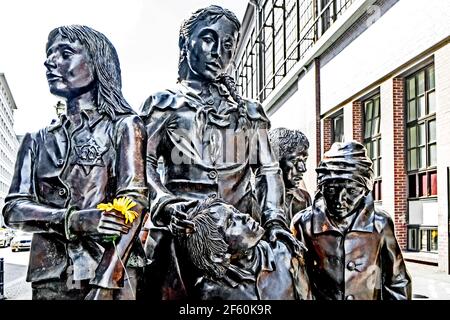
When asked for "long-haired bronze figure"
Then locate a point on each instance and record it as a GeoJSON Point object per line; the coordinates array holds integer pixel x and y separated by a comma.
{"type": "Point", "coordinates": [93, 154]}
{"type": "Point", "coordinates": [211, 141]}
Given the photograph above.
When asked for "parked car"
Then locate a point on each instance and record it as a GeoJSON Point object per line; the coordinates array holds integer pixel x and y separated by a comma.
{"type": "Point", "coordinates": [6, 235]}
{"type": "Point", "coordinates": [22, 241]}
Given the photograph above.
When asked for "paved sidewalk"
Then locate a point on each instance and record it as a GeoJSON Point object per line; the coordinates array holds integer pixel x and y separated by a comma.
{"type": "Point", "coordinates": [16, 288]}
{"type": "Point", "coordinates": [428, 283]}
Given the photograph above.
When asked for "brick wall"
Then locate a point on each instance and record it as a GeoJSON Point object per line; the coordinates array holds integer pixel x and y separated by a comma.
{"type": "Point", "coordinates": [400, 178]}
{"type": "Point", "coordinates": [358, 124]}
{"type": "Point", "coordinates": [327, 134]}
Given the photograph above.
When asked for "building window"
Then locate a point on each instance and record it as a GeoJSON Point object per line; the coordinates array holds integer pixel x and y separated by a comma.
{"type": "Point", "coordinates": [283, 32]}
{"type": "Point", "coordinates": [337, 127]}
{"type": "Point", "coordinates": [421, 149]}
{"type": "Point", "coordinates": [372, 140]}
{"type": "Point", "coordinates": [421, 134]}
{"type": "Point", "coordinates": [327, 10]}
{"type": "Point", "coordinates": [422, 238]}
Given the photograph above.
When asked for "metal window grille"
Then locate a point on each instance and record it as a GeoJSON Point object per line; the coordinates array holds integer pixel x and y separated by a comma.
{"type": "Point", "coordinates": [284, 32]}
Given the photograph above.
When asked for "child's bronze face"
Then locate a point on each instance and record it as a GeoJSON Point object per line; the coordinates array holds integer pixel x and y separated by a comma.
{"type": "Point", "coordinates": [70, 70]}
{"type": "Point", "coordinates": [294, 166]}
{"type": "Point", "coordinates": [342, 197]}
{"type": "Point", "coordinates": [241, 231]}
{"type": "Point", "coordinates": [210, 49]}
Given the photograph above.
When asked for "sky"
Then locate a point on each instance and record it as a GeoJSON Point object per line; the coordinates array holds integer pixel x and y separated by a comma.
{"type": "Point", "coordinates": [144, 33]}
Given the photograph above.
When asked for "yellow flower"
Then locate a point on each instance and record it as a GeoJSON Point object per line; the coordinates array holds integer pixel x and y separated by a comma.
{"type": "Point", "coordinates": [105, 206]}
{"type": "Point", "coordinates": [122, 205]}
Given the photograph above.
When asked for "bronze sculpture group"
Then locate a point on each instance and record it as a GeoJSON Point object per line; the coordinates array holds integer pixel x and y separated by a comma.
{"type": "Point", "coordinates": [107, 226]}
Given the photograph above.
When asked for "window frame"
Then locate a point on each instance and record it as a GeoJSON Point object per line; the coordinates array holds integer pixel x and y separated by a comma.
{"type": "Point", "coordinates": [333, 118]}
{"type": "Point", "coordinates": [424, 169]}
{"type": "Point", "coordinates": [417, 241]}
{"type": "Point", "coordinates": [372, 139]}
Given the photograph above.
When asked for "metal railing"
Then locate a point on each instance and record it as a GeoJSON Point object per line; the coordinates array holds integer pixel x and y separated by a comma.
{"type": "Point", "coordinates": [284, 31]}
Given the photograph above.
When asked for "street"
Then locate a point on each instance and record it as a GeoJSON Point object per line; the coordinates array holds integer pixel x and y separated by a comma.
{"type": "Point", "coordinates": [428, 283]}
{"type": "Point", "coordinates": [16, 264]}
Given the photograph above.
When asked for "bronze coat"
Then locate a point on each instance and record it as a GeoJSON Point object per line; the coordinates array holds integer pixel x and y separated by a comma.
{"type": "Point", "coordinates": [275, 275]}
{"type": "Point", "coordinates": [363, 263]}
{"type": "Point", "coordinates": [172, 123]}
{"type": "Point", "coordinates": [100, 161]}
{"type": "Point", "coordinates": [172, 129]}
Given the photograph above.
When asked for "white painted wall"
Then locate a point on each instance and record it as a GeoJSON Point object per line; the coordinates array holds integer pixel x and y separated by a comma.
{"type": "Point", "coordinates": [442, 74]}
{"type": "Point", "coordinates": [403, 32]}
{"type": "Point", "coordinates": [387, 148]}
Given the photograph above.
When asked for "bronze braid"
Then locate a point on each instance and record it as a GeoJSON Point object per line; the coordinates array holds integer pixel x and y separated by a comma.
{"type": "Point", "coordinates": [230, 84]}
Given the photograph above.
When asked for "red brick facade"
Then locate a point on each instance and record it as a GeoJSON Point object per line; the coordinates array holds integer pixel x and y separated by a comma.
{"type": "Point", "coordinates": [358, 121]}
{"type": "Point", "coordinates": [327, 134]}
{"type": "Point", "coordinates": [400, 176]}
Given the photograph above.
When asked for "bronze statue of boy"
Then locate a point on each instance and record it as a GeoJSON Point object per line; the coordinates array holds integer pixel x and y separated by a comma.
{"type": "Point", "coordinates": [291, 146]}
{"type": "Point", "coordinates": [352, 249]}
{"type": "Point", "coordinates": [233, 262]}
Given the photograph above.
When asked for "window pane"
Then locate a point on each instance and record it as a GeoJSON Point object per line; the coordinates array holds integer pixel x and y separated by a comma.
{"type": "Point", "coordinates": [420, 83]}
{"type": "Point", "coordinates": [375, 190]}
{"type": "Point", "coordinates": [412, 137]}
{"type": "Point", "coordinates": [422, 157]}
{"type": "Point", "coordinates": [433, 183]}
{"type": "Point", "coordinates": [411, 88]}
{"type": "Point", "coordinates": [423, 186]}
{"type": "Point", "coordinates": [412, 239]}
{"type": "Point", "coordinates": [380, 190]}
{"type": "Point", "coordinates": [375, 167]}
{"type": "Point", "coordinates": [430, 78]}
{"type": "Point", "coordinates": [379, 167]}
{"type": "Point", "coordinates": [412, 186]}
{"type": "Point", "coordinates": [374, 150]}
{"type": "Point", "coordinates": [338, 128]}
{"type": "Point", "coordinates": [421, 132]}
{"type": "Point", "coordinates": [432, 131]}
{"type": "Point", "coordinates": [376, 107]}
{"type": "Point", "coordinates": [375, 126]}
{"type": "Point", "coordinates": [368, 129]}
{"type": "Point", "coordinates": [421, 106]}
{"type": "Point", "coordinates": [378, 126]}
{"type": "Point", "coordinates": [434, 240]}
{"type": "Point", "coordinates": [369, 149]}
{"type": "Point", "coordinates": [412, 159]}
{"type": "Point", "coordinates": [432, 154]}
{"type": "Point", "coordinates": [369, 106]}
{"type": "Point", "coordinates": [431, 102]}
{"type": "Point", "coordinates": [423, 240]}
{"type": "Point", "coordinates": [412, 110]}
{"type": "Point", "coordinates": [379, 147]}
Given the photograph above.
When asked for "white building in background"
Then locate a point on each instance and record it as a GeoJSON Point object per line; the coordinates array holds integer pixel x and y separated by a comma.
{"type": "Point", "coordinates": [8, 140]}
{"type": "Point", "coordinates": [374, 71]}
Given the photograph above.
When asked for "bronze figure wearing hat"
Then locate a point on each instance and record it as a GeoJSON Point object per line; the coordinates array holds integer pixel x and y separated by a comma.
{"type": "Point", "coordinates": [352, 249]}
